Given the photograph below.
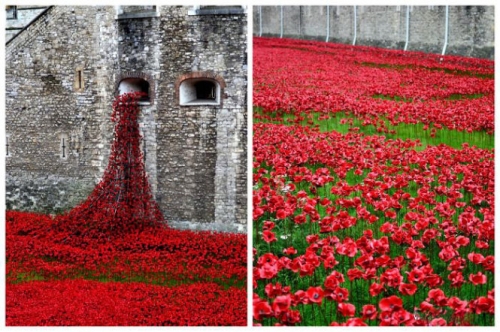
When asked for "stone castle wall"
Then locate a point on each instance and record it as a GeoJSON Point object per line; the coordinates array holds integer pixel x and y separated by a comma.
{"type": "Point", "coordinates": [195, 155]}
{"type": "Point", "coordinates": [42, 107]}
{"type": "Point", "coordinates": [203, 143]}
{"type": "Point", "coordinates": [471, 28]}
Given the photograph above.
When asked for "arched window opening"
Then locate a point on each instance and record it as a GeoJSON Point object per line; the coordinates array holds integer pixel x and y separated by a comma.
{"type": "Point", "coordinates": [199, 92]}
{"type": "Point", "coordinates": [135, 85]}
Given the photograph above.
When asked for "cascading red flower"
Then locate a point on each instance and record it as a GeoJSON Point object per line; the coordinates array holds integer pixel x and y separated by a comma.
{"type": "Point", "coordinates": [122, 201]}
{"type": "Point", "coordinates": [119, 235]}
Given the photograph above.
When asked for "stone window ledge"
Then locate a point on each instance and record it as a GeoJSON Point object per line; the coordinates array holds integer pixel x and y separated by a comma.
{"type": "Point", "coordinates": [216, 11]}
{"type": "Point", "coordinates": [127, 16]}
{"type": "Point", "coordinates": [201, 102]}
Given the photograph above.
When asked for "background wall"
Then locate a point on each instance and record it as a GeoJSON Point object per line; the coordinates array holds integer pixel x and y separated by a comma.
{"type": "Point", "coordinates": [471, 28]}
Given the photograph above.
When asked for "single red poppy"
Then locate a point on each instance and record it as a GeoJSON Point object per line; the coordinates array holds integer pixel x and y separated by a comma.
{"type": "Point", "coordinates": [282, 304]}
{"type": "Point", "coordinates": [438, 322]}
{"type": "Point", "coordinates": [262, 309]}
{"type": "Point", "coordinates": [346, 309]}
{"type": "Point", "coordinates": [355, 322]}
{"type": "Point", "coordinates": [390, 303]}
{"type": "Point", "coordinates": [315, 294]}
{"type": "Point", "coordinates": [407, 289]}
{"type": "Point", "coordinates": [375, 289]}
{"type": "Point", "coordinates": [269, 236]}
{"type": "Point", "coordinates": [369, 311]}
{"type": "Point", "coordinates": [478, 278]}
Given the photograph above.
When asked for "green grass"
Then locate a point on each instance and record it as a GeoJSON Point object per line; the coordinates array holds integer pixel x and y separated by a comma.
{"type": "Point", "coordinates": [153, 278]}
{"type": "Point", "coordinates": [393, 98]}
{"type": "Point", "coordinates": [457, 96]}
{"type": "Point", "coordinates": [453, 96]}
{"type": "Point", "coordinates": [27, 277]}
{"type": "Point", "coordinates": [403, 131]}
{"type": "Point", "coordinates": [290, 234]}
{"type": "Point", "coordinates": [457, 72]}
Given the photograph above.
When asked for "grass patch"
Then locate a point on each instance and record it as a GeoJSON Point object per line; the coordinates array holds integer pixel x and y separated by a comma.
{"type": "Point", "coordinates": [289, 234]}
{"type": "Point", "coordinates": [453, 96]}
{"type": "Point", "coordinates": [457, 72]}
{"type": "Point", "coordinates": [394, 98]}
{"type": "Point", "coordinates": [27, 277]}
{"type": "Point", "coordinates": [403, 131]}
{"type": "Point", "coordinates": [152, 278]}
{"type": "Point", "coordinates": [457, 96]}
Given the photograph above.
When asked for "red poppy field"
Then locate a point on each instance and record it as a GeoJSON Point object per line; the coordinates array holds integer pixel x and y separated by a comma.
{"type": "Point", "coordinates": [373, 186]}
{"type": "Point", "coordinates": [155, 276]}
{"type": "Point", "coordinates": [112, 260]}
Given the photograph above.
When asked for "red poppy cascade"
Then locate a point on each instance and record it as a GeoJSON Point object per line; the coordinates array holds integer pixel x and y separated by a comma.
{"type": "Point", "coordinates": [122, 201]}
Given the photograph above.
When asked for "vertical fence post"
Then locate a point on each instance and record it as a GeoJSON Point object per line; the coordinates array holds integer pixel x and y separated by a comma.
{"type": "Point", "coordinates": [281, 20]}
{"type": "Point", "coordinates": [355, 27]}
{"type": "Point", "coordinates": [407, 27]}
{"type": "Point", "coordinates": [327, 23]}
{"type": "Point", "coordinates": [300, 21]}
{"type": "Point", "coordinates": [445, 32]}
{"type": "Point", "coordinates": [260, 21]}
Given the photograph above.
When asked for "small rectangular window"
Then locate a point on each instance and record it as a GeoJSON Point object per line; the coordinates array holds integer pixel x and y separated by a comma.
{"type": "Point", "coordinates": [11, 12]}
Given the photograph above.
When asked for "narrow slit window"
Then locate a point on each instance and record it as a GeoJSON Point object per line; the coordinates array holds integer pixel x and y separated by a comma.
{"type": "Point", "coordinates": [64, 147]}
{"type": "Point", "coordinates": [78, 84]}
{"type": "Point", "coordinates": [7, 147]}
